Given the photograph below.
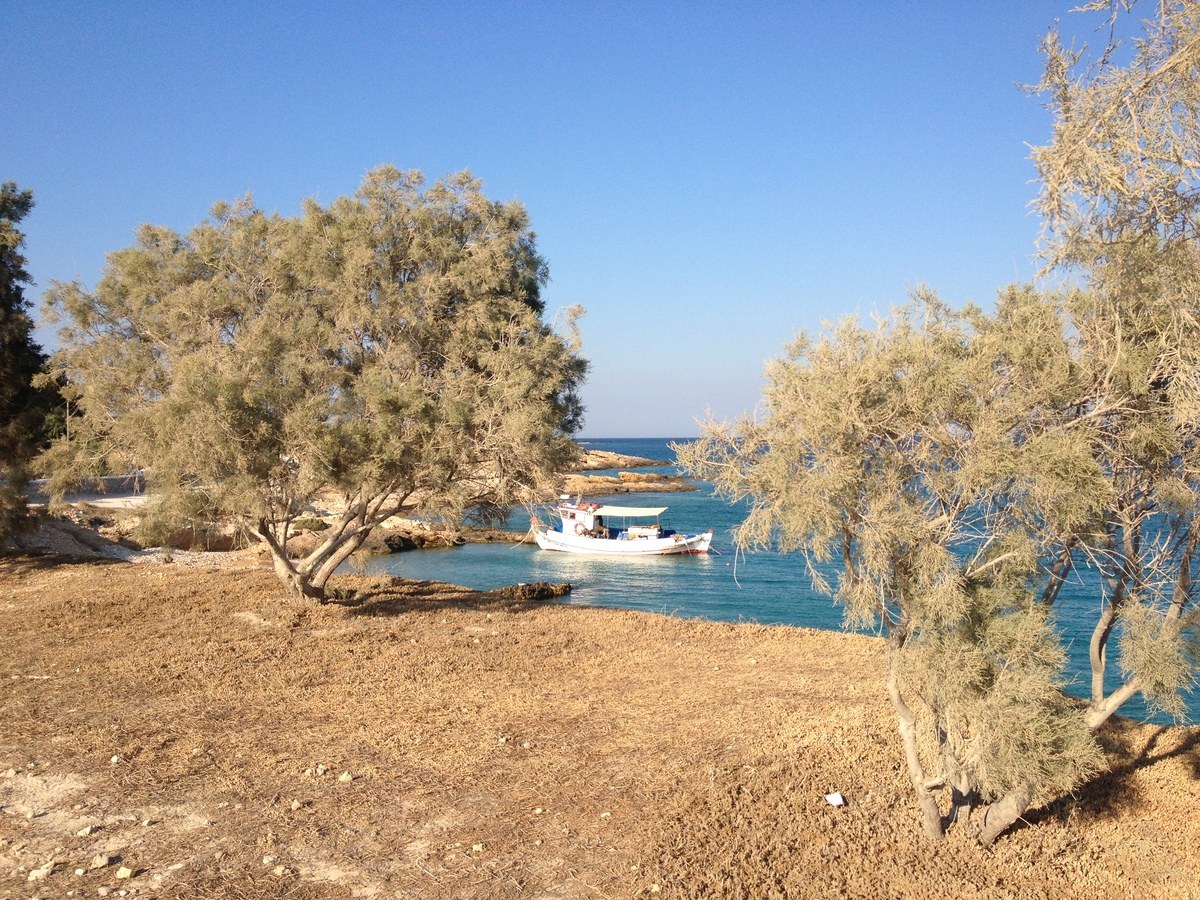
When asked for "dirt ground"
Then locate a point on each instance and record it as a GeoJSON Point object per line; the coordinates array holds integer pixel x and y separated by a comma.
{"type": "Point", "coordinates": [182, 731]}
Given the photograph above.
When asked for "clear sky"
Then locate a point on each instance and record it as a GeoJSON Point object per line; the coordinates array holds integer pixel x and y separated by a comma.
{"type": "Point", "coordinates": [706, 178]}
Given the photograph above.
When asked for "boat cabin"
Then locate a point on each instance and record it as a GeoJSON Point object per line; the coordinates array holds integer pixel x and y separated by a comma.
{"type": "Point", "coordinates": [609, 522]}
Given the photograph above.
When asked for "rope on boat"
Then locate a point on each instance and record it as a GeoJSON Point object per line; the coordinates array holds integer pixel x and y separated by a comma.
{"type": "Point", "coordinates": [534, 521]}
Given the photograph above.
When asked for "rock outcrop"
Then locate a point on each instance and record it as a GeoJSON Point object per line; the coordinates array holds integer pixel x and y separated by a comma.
{"type": "Point", "coordinates": [594, 460]}
{"type": "Point", "coordinates": [538, 590]}
{"type": "Point", "coordinates": [625, 483]}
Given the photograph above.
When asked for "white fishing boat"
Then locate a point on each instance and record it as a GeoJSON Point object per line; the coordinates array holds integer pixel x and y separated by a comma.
{"type": "Point", "coordinates": [619, 530]}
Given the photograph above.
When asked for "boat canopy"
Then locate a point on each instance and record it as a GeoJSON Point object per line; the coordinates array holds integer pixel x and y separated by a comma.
{"type": "Point", "coordinates": [630, 511]}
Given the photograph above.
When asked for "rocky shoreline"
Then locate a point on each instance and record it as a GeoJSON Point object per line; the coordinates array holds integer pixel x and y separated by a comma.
{"type": "Point", "coordinates": [626, 483]}
{"type": "Point", "coordinates": [594, 460]}
{"type": "Point", "coordinates": [102, 524]}
{"type": "Point", "coordinates": [579, 484]}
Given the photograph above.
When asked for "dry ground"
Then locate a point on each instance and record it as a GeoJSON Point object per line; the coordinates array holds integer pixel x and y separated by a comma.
{"type": "Point", "coordinates": [191, 727]}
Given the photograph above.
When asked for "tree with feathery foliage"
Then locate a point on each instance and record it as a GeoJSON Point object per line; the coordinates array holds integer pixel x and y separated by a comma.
{"type": "Point", "coordinates": [964, 466]}
{"type": "Point", "coordinates": [388, 349]}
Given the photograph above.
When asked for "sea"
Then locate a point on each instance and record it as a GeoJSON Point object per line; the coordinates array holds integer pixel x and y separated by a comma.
{"type": "Point", "coordinates": [767, 588]}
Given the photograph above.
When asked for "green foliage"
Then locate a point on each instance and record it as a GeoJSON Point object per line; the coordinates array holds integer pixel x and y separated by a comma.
{"type": "Point", "coordinates": [1121, 175]}
{"type": "Point", "coordinates": [991, 685]}
{"type": "Point", "coordinates": [310, 524]}
{"type": "Point", "coordinates": [1120, 200]}
{"type": "Point", "coordinates": [1160, 654]}
{"type": "Point", "coordinates": [388, 348]}
{"type": "Point", "coordinates": [936, 457]}
{"type": "Point", "coordinates": [25, 409]}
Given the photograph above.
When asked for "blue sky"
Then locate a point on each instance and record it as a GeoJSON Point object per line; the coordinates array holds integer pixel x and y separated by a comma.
{"type": "Point", "coordinates": [706, 178]}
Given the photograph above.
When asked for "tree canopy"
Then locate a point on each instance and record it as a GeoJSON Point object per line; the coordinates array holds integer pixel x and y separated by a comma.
{"type": "Point", "coordinates": [23, 407]}
{"type": "Point", "coordinates": [911, 453]}
{"type": "Point", "coordinates": [963, 466]}
{"type": "Point", "coordinates": [1120, 200]}
{"type": "Point", "coordinates": [388, 349]}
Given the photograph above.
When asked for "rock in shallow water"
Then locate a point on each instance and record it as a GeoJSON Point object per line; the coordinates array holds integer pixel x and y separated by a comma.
{"type": "Point", "coordinates": [537, 590]}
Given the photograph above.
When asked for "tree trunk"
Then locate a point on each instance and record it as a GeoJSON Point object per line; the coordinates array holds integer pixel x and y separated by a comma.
{"type": "Point", "coordinates": [1099, 713]}
{"type": "Point", "coordinates": [1098, 651]}
{"type": "Point", "coordinates": [931, 815]}
{"type": "Point", "coordinates": [1101, 709]}
{"type": "Point", "coordinates": [1003, 813]}
{"type": "Point", "coordinates": [964, 799]}
{"type": "Point", "coordinates": [339, 556]}
{"type": "Point", "coordinates": [294, 581]}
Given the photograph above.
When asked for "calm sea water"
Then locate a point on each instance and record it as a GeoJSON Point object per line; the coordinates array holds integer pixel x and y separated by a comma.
{"type": "Point", "coordinates": [768, 588]}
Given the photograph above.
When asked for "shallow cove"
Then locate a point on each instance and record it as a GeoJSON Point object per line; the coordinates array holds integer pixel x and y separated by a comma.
{"type": "Point", "coordinates": [769, 588]}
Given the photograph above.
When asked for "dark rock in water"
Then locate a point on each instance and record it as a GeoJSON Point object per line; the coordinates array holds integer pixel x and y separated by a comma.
{"type": "Point", "coordinates": [398, 542]}
{"type": "Point", "coordinates": [538, 590]}
{"type": "Point", "coordinates": [477, 535]}
{"type": "Point", "coordinates": [401, 541]}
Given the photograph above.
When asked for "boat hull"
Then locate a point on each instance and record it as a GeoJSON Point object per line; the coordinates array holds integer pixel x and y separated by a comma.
{"type": "Point", "coordinates": [672, 545]}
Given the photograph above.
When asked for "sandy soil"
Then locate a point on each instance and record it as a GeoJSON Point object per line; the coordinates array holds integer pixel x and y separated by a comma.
{"type": "Point", "coordinates": [185, 731]}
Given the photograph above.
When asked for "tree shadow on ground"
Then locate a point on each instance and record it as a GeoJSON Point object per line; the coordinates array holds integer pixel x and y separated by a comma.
{"type": "Point", "coordinates": [1131, 750]}
{"type": "Point", "coordinates": [20, 563]}
{"type": "Point", "coordinates": [389, 596]}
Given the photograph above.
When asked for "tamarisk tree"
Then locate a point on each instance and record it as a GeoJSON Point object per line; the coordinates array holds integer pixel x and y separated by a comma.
{"type": "Point", "coordinates": [912, 454]}
{"type": "Point", "coordinates": [1120, 200]}
{"type": "Point", "coordinates": [963, 467]}
{"type": "Point", "coordinates": [388, 349]}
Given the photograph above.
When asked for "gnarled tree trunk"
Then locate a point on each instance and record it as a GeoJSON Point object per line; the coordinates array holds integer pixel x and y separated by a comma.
{"type": "Point", "coordinates": [1004, 812]}
{"type": "Point", "coordinates": [907, 720]}
{"type": "Point", "coordinates": [295, 580]}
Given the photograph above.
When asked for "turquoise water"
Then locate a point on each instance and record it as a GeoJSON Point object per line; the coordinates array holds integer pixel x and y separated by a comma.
{"type": "Point", "coordinates": [768, 588]}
